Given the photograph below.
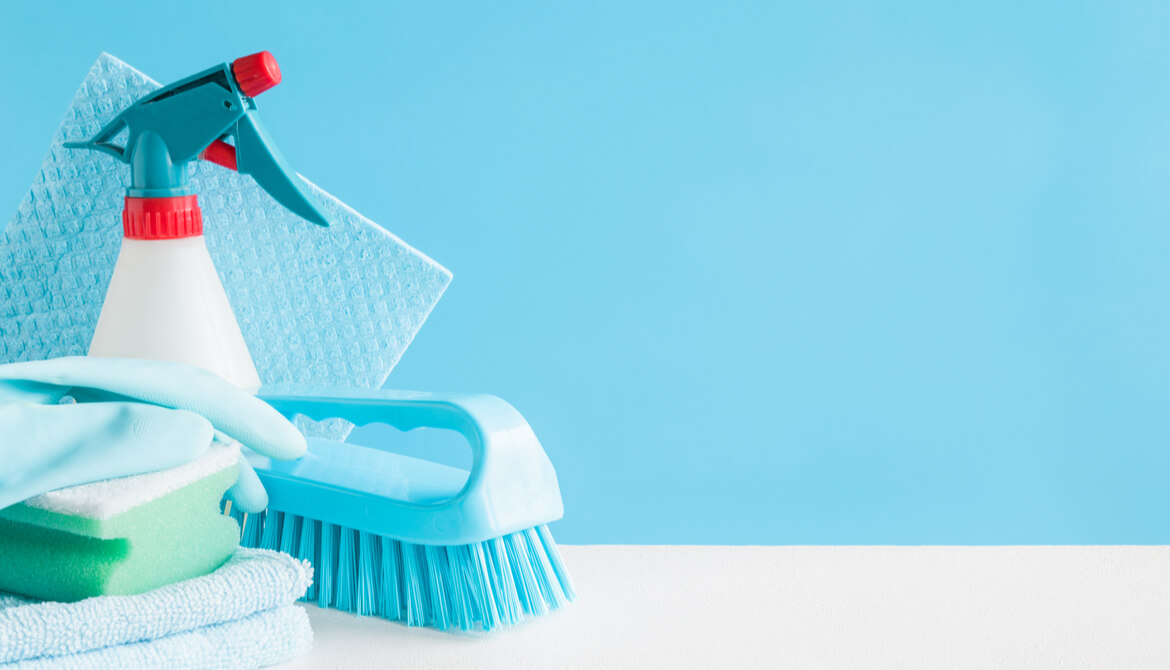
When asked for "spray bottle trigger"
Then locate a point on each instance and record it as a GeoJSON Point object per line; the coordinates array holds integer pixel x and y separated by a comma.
{"type": "Point", "coordinates": [257, 155]}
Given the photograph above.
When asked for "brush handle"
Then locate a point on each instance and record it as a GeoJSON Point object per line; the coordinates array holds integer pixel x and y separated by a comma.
{"type": "Point", "coordinates": [511, 485]}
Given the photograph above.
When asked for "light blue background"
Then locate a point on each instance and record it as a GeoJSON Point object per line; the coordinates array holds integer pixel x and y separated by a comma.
{"type": "Point", "coordinates": [855, 273]}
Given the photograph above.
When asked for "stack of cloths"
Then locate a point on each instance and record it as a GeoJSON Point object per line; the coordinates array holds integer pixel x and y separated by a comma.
{"type": "Point", "coordinates": [240, 616]}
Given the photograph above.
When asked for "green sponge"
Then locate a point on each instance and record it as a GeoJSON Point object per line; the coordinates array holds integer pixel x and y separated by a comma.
{"type": "Point", "coordinates": [123, 536]}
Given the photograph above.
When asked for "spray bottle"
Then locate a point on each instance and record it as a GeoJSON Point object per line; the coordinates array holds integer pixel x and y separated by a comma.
{"type": "Point", "coordinates": [165, 300]}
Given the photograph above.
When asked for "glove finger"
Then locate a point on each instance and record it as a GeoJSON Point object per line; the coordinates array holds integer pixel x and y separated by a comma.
{"type": "Point", "coordinates": [34, 392]}
{"type": "Point", "coordinates": [43, 448]}
{"type": "Point", "coordinates": [248, 494]}
{"type": "Point", "coordinates": [231, 410]}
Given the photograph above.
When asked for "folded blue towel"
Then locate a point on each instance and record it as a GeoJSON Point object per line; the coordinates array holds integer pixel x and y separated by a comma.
{"type": "Point", "coordinates": [240, 616]}
{"type": "Point", "coordinates": [262, 639]}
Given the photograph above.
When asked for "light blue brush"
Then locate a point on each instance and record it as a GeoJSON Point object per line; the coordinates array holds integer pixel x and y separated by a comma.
{"type": "Point", "coordinates": [409, 539]}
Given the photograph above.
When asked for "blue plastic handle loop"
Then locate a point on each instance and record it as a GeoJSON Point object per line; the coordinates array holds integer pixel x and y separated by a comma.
{"type": "Point", "coordinates": [511, 486]}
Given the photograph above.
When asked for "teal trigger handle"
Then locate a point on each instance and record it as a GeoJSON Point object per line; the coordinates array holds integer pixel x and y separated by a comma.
{"type": "Point", "coordinates": [511, 485]}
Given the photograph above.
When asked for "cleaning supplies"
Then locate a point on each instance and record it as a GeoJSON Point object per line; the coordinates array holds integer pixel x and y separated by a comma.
{"type": "Point", "coordinates": [482, 555]}
{"type": "Point", "coordinates": [121, 536]}
{"type": "Point", "coordinates": [240, 616]}
{"type": "Point", "coordinates": [165, 300]}
{"type": "Point", "coordinates": [412, 540]}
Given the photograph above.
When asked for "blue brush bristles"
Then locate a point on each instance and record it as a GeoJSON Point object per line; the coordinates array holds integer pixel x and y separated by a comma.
{"type": "Point", "coordinates": [472, 586]}
{"type": "Point", "coordinates": [412, 540]}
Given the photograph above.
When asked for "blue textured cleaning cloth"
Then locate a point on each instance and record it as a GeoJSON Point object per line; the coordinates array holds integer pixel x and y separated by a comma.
{"type": "Point", "coordinates": [240, 616]}
{"type": "Point", "coordinates": [332, 306]}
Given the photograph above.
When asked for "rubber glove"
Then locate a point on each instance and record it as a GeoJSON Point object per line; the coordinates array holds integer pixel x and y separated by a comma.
{"type": "Point", "coordinates": [130, 416]}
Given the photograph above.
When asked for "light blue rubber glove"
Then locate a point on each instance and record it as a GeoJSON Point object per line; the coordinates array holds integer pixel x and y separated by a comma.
{"type": "Point", "coordinates": [130, 416]}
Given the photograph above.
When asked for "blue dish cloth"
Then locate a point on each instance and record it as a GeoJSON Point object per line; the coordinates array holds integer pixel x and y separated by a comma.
{"type": "Point", "coordinates": [240, 616]}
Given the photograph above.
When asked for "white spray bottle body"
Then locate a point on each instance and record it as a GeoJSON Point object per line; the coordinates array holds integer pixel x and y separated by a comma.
{"type": "Point", "coordinates": [165, 302]}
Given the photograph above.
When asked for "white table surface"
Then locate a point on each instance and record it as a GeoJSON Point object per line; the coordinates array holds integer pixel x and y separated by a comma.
{"type": "Point", "coordinates": [822, 607]}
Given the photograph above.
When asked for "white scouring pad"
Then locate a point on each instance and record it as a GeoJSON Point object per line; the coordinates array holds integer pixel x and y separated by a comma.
{"type": "Point", "coordinates": [107, 499]}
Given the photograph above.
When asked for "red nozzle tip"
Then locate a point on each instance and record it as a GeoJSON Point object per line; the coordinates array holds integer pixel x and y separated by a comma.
{"type": "Point", "coordinates": [256, 73]}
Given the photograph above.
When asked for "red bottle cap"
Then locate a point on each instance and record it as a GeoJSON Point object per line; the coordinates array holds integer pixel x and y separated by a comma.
{"type": "Point", "coordinates": [256, 73]}
{"type": "Point", "coordinates": [161, 218]}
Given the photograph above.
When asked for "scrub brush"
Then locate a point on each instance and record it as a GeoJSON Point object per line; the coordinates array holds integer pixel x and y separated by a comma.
{"type": "Point", "coordinates": [412, 540]}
